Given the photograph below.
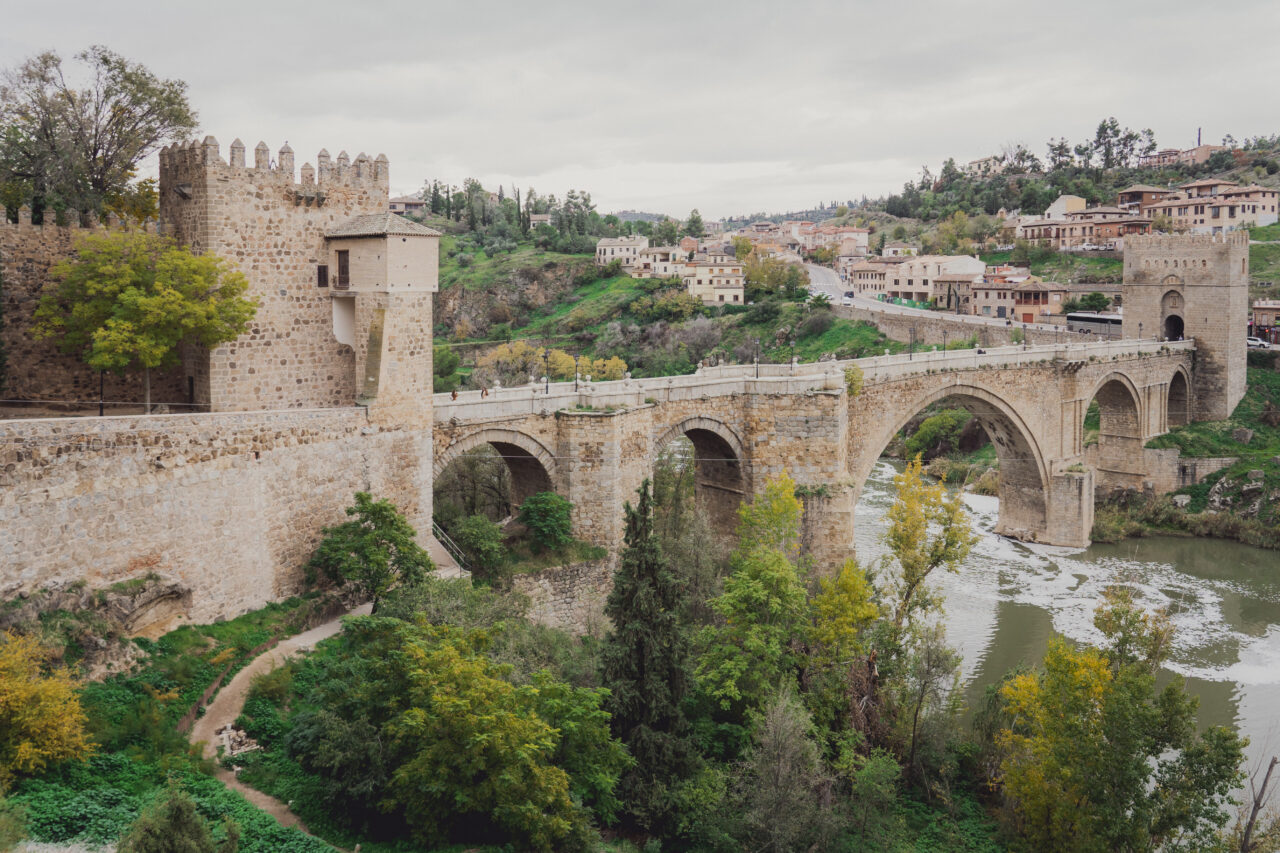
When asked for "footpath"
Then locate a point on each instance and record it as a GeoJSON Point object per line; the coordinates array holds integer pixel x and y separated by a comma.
{"type": "Point", "coordinates": [227, 705]}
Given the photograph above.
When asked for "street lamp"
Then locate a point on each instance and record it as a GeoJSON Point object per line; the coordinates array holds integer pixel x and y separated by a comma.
{"type": "Point", "coordinates": [575, 371]}
{"type": "Point", "coordinates": [1139, 331]}
{"type": "Point", "coordinates": [546, 369]}
{"type": "Point", "coordinates": [757, 358]}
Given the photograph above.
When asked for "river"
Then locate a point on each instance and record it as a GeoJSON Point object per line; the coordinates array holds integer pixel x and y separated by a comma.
{"type": "Point", "coordinates": [1009, 598]}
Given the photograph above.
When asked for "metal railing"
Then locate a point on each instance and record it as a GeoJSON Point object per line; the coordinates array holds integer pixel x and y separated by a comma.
{"type": "Point", "coordinates": [449, 545]}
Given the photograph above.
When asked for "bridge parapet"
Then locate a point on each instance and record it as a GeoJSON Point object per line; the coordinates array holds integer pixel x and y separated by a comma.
{"type": "Point", "coordinates": [726, 380]}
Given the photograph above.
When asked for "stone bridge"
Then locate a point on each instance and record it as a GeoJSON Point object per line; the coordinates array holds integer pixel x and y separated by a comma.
{"type": "Point", "coordinates": [595, 442]}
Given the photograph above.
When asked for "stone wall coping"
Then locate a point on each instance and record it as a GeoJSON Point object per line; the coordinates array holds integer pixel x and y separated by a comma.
{"type": "Point", "coordinates": [17, 428]}
{"type": "Point", "coordinates": [813, 377]}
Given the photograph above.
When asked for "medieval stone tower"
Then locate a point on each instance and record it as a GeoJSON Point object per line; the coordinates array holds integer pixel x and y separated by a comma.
{"type": "Point", "coordinates": [344, 287]}
{"type": "Point", "coordinates": [1194, 286]}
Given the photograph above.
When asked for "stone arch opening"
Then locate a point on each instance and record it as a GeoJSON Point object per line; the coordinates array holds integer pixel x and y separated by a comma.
{"type": "Point", "coordinates": [1113, 434]}
{"type": "Point", "coordinates": [1172, 305]}
{"type": "Point", "coordinates": [492, 472]}
{"type": "Point", "coordinates": [1023, 475]}
{"type": "Point", "coordinates": [710, 455]}
{"type": "Point", "coordinates": [1179, 404]}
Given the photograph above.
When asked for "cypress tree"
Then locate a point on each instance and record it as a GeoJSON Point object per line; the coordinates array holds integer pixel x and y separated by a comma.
{"type": "Point", "coordinates": [645, 665]}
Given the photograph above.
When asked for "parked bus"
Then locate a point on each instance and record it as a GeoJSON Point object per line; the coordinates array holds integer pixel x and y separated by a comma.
{"type": "Point", "coordinates": [1107, 325]}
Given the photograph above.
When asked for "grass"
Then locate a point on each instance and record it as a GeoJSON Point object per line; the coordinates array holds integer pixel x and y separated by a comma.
{"type": "Point", "coordinates": [1214, 438]}
{"type": "Point", "coordinates": [1265, 232]}
{"type": "Point", "coordinates": [1264, 262]}
{"type": "Point", "coordinates": [524, 561]}
{"type": "Point", "coordinates": [1067, 267]}
{"type": "Point", "coordinates": [133, 718]}
{"type": "Point", "coordinates": [481, 270]}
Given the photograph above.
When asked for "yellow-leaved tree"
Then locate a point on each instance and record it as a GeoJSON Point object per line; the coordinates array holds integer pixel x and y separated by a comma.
{"type": "Point", "coordinates": [41, 721]}
{"type": "Point", "coordinates": [928, 529]}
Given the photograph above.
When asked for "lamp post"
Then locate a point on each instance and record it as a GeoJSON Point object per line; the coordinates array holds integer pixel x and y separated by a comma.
{"type": "Point", "coordinates": [1139, 331]}
{"type": "Point", "coordinates": [575, 371]}
{"type": "Point", "coordinates": [546, 369]}
{"type": "Point", "coordinates": [757, 358]}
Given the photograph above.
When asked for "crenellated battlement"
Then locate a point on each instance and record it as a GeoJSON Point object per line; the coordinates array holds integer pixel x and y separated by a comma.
{"type": "Point", "coordinates": [73, 222]}
{"type": "Point", "coordinates": [185, 162]}
{"type": "Point", "coordinates": [1185, 242]}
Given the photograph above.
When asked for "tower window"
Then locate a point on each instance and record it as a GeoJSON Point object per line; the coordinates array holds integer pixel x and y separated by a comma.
{"type": "Point", "coordinates": [322, 275]}
{"type": "Point", "coordinates": [344, 268]}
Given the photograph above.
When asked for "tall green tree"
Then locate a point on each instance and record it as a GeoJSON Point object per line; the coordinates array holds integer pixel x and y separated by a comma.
{"type": "Point", "coordinates": [132, 299]}
{"type": "Point", "coordinates": [375, 550]}
{"type": "Point", "coordinates": [645, 664]}
{"type": "Point", "coordinates": [78, 146]}
{"type": "Point", "coordinates": [694, 226]}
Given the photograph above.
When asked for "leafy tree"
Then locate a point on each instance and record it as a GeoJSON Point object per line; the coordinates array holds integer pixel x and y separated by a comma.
{"type": "Point", "coordinates": [666, 232]}
{"type": "Point", "coordinates": [938, 434]}
{"type": "Point", "coordinates": [842, 611]}
{"type": "Point", "coordinates": [172, 824]}
{"type": "Point", "coordinates": [694, 226]}
{"type": "Point", "coordinates": [786, 790]}
{"type": "Point", "coordinates": [549, 518]}
{"type": "Point", "coordinates": [41, 721]}
{"type": "Point", "coordinates": [374, 550]}
{"type": "Point", "coordinates": [772, 519]}
{"type": "Point", "coordinates": [481, 539]}
{"type": "Point", "coordinates": [78, 148]}
{"type": "Point", "coordinates": [1097, 760]}
{"type": "Point", "coordinates": [927, 529]}
{"type": "Point", "coordinates": [645, 663]}
{"type": "Point", "coordinates": [1094, 301]}
{"type": "Point", "coordinates": [133, 299]}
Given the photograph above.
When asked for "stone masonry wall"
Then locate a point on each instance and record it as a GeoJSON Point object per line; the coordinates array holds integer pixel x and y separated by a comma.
{"type": "Point", "coordinates": [36, 369]}
{"type": "Point", "coordinates": [940, 328]}
{"type": "Point", "coordinates": [231, 505]}
{"type": "Point", "coordinates": [570, 597]}
{"type": "Point", "coordinates": [272, 226]}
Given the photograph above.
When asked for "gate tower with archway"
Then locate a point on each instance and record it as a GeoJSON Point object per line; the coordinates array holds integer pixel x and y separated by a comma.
{"type": "Point", "coordinates": [1194, 286]}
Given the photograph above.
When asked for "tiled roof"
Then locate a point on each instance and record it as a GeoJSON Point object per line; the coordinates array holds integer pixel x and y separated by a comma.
{"type": "Point", "coordinates": [380, 225]}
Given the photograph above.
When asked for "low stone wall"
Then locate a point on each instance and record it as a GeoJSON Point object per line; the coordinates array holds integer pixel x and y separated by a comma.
{"type": "Point", "coordinates": [229, 505]}
{"type": "Point", "coordinates": [942, 328]}
{"type": "Point", "coordinates": [570, 597]}
{"type": "Point", "coordinates": [1169, 471]}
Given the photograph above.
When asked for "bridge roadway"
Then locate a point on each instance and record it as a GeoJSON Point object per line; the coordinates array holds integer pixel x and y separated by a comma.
{"type": "Point", "coordinates": [595, 441]}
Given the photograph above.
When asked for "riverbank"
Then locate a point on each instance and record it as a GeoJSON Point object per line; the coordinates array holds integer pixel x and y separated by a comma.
{"type": "Point", "coordinates": [1134, 515]}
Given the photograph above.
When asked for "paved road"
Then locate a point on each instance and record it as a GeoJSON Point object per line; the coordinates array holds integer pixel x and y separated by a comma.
{"type": "Point", "coordinates": [825, 280]}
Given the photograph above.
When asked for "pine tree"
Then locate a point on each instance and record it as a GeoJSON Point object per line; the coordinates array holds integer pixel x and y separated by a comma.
{"type": "Point", "coordinates": [645, 665]}
{"type": "Point", "coordinates": [172, 823]}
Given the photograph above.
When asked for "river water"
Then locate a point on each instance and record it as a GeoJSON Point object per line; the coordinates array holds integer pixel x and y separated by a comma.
{"type": "Point", "coordinates": [1009, 598]}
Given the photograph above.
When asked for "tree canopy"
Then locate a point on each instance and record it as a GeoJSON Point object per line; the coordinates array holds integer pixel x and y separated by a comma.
{"type": "Point", "coordinates": [131, 299]}
{"type": "Point", "coordinates": [65, 145]}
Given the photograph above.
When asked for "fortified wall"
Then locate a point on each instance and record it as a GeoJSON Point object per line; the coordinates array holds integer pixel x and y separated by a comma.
{"type": "Point", "coordinates": [327, 393]}
{"type": "Point", "coordinates": [36, 370]}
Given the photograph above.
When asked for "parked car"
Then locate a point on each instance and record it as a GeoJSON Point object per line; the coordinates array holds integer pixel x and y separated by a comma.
{"type": "Point", "coordinates": [1257, 343]}
{"type": "Point", "coordinates": [848, 298]}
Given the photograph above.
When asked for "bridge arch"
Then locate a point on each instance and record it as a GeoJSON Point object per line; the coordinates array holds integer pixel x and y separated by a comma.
{"type": "Point", "coordinates": [720, 479]}
{"type": "Point", "coordinates": [1024, 473]}
{"type": "Point", "coordinates": [1178, 407]}
{"type": "Point", "coordinates": [1118, 459]}
{"type": "Point", "coordinates": [531, 463]}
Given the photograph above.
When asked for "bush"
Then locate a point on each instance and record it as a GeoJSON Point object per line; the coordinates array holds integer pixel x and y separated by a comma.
{"type": "Point", "coordinates": [548, 517]}
{"type": "Point", "coordinates": [172, 823]}
{"type": "Point", "coordinates": [816, 324]}
{"type": "Point", "coordinates": [481, 539]}
{"type": "Point", "coordinates": [762, 312]}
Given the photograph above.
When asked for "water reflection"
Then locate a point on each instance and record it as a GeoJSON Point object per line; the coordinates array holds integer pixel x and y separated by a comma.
{"type": "Point", "coordinates": [1008, 599]}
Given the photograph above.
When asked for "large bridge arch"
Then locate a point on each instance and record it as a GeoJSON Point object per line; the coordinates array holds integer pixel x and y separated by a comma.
{"type": "Point", "coordinates": [1178, 399]}
{"type": "Point", "coordinates": [1122, 413]}
{"type": "Point", "coordinates": [1024, 471]}
{"type": "Point", "coordinates": [531, 463]}
{"type": "Point", "coordinates": [721, 477]}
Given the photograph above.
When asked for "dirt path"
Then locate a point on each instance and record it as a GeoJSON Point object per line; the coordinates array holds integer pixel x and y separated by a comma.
{"type": "Point", "coordinates": [226, 706]}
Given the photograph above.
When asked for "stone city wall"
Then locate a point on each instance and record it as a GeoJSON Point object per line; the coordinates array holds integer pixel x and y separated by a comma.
{"type": "Point", "coordinates": [943, 328]}
{"type": "Point", "coordinates": [570, 597]}
{"type": "Point", "coordinates": [36, 370]}
{"type": "Point", "coordinates": [230, 505]}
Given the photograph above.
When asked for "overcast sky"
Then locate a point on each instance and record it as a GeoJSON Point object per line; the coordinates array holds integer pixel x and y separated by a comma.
{"type": "Point", "coordinates": [728, 107]}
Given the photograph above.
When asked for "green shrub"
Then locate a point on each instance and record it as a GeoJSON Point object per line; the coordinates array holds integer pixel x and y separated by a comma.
{"type": "Point", "coordinates": [816, 323]}
{"type": "Point", "coordinates": [172, 823]}
{"type": "Point", "coordinates": [481, 540]}
{"type": "Point", "coordinates": [548, 517]}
